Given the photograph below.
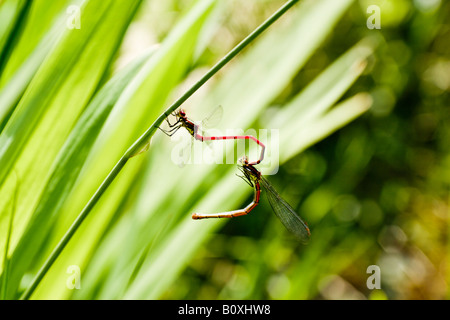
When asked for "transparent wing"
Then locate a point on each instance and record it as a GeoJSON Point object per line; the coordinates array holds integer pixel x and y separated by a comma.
{"type": "Point", "coordinates": [182, 151]}
{"type": "Point", "coordinates": [213, 118]}
{"type": "Point", "coordinates": [211, 121]}
{"type": "Point", "coordinates": [285, 213]}
{"type": "Point", "coordinates": [186, 153]}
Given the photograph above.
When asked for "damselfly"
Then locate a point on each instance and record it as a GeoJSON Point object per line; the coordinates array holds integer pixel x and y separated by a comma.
{"type": "Point", "coordinates": [183, 121]}
{"type": "Point", "coordinates": [282, 209]}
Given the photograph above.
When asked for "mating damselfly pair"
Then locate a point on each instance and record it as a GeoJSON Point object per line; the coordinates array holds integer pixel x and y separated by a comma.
{"type": "Point", "coordinates": [285, 213]}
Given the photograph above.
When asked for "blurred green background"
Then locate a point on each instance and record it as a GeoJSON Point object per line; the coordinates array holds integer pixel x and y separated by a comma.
{"type": "Point", "coordinates": [363, 116]}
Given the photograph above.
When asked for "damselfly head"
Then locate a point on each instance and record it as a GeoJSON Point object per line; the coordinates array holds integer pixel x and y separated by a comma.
{"type": "Point", "coordinates": [181, 113]}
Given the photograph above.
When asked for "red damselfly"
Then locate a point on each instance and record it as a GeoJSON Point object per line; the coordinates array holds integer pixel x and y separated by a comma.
{"type": "Point", "coordinates": [282, 209]}
{"type": "Point", "coordinates": [183, 121]}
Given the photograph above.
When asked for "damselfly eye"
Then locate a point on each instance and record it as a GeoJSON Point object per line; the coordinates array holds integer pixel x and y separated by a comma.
{"type": "Point", "coordinates": [182, 113]}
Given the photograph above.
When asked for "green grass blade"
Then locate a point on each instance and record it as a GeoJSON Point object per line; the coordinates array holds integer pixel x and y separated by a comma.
{"type": "Point", "coordinates": [9, 39]}
{"type": "Point", "coordinates": [297, 119]}
{"type": "Point", "coordinates": [339, 116]}
{"type": "Point", "coordinates": [45, 85]}
{"type": "Point", "coordinates": [72, 155]}
{"type": "Point", "coordinates": [40, 20]}
{"type": "Point", "coordinates": [6, 261]}
{"type": "Point", "coordinates": [42, 29]}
